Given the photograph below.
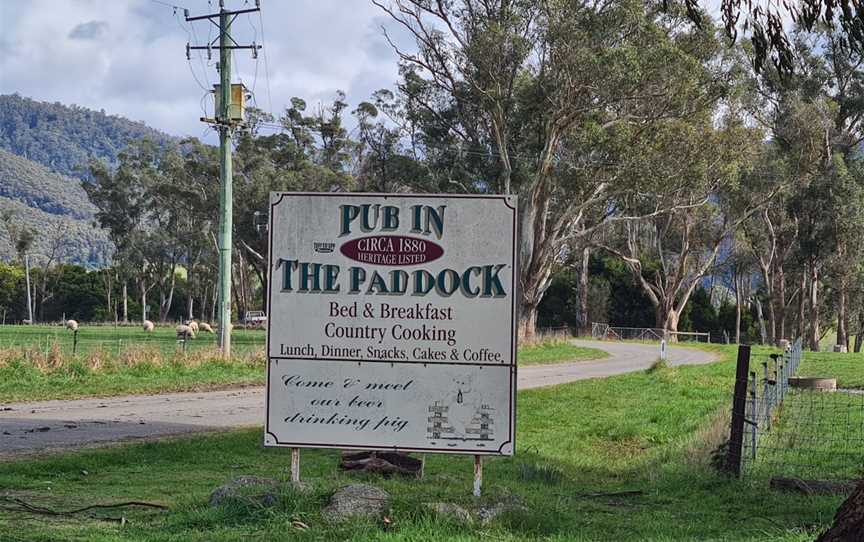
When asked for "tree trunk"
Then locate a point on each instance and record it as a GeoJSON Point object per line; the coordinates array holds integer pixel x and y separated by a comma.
{"type": "Point", "coordinates": [190, 298]}
{"type": "Point", "coordinates": [814, 307]}
{"type": "Point", "coordinates": [849, 519]}
{"type": "Point", "coordinates": [536, 257]}
{"type": "Point", "coordinates": [781, 303]}
{"type": "Point", "coordinates": [213, 302]}
{"type": "Point", "coordinates": [763, 333]}
{"type": "Point", "coordinates": [166, 302]}
{"type": "Point", "coordinates": [666, 318]}
{"type": "Point", "coordinates": [768, 281]}
{"type": "Point", "coordinates": [738, 301]}
{"type": "Point", "coordinates": [27, 279]}
{"type": "Point", "coordinates": [108, 287]}
{"type": "Point", "coordinates": [769, 336]}
{"type": "Point", "coordinates": [527, 321]}
{"type": "Point", "coordinates": [143, 301]}
{"type": "Point", "coordinates": [583, 292]}
{"type": "Point", "coordinates": [802, 303]}
{"type": "Point", "coordinates": [842, 337]}
{"type": "Point", "coordinates": [125, 303]}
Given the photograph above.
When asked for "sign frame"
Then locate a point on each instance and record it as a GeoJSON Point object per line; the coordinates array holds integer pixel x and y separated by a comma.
{"type": "Point", "coordinates": [508, 447]}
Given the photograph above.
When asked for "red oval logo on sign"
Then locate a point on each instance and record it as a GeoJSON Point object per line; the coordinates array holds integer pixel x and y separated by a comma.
{"type": "Point", "coordinates": [391, 250]}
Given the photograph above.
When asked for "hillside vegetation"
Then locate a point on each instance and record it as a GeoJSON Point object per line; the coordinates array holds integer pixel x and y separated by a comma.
{"type": "Point", "coordinates": [44, 153]}
{"type": "Point", "coordinates": [36, 186]}
{"type": "Point", "coordinates": [63, 138]}
{"type": "Point", "coordinates": [76, 240]}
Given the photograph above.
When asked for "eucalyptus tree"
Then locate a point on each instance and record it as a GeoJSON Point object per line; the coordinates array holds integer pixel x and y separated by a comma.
{"type": "Point", "coordinates": [307, 152]}
{"type": "Point", "coordinates": [153, 211]}
{"type": "Point", "coordinates": [119, 197]}
{"type": "Point", "coordinates": [817, 125]}
{"type": "Point", "coordinates": [547, 95]}
{"type": "Point", "coordinates": [771, 236]}
{"type": "Point", "coordinates": [674, 247]}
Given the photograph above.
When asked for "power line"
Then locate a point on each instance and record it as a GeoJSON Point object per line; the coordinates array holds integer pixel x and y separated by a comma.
{"type": "Point", "coordinates": [166, 4]}
{"type": "Point", "coordinates": [255, 77]}
{"type": "Point", "coordinates": [266, 68]}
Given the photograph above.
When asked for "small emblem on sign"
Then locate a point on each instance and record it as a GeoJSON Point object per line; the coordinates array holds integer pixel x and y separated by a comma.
{"type": "Point", "coordinates": [324, 248]}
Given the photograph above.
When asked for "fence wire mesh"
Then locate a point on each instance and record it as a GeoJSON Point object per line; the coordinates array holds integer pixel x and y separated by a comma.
{"type": "Point", "coordinates": [602, 332]}
{"type": "Point", "coordinates": [798, 432]}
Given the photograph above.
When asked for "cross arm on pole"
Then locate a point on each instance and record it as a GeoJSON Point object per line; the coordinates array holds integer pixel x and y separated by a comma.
{"type": "Point", "coordinates": [215, 15]}
{"type": "Point", "coordinates": [216, 47]}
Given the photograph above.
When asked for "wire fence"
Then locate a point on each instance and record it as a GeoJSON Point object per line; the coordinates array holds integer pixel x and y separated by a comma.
{"type": "Point", "coordinates": [800, 427]}
{"type": "Point", "coordinates": [56, 340]}
{"type": "Point", "coordinates": [605, 332]}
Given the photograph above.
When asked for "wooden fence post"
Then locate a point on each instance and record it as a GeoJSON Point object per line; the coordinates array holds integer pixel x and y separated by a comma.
{"type": "Point", "coordinates": [739, 404]}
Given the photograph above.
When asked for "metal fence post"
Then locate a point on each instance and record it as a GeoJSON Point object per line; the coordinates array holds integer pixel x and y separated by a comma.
{"type": "Point", "coordinates": [781, 380]}
{"type": "Point", "coordinates": [754, 413]}
{"type": "Point", "coordinates": [74, 342]}
{"type": "Point", "coordinates": [739, 404]}
{"type": "Point", "coordinates": [766, 396]}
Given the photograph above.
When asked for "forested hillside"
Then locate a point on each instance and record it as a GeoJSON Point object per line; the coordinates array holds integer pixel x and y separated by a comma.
{"type": "Point", "coordinates": [54, 207]}
{"type": "Point", "coordinates": [45, 149]}
{"type": "Point", "coordinates": [36, 186]}
{"type": "Point", "coordinates": [64, 138]}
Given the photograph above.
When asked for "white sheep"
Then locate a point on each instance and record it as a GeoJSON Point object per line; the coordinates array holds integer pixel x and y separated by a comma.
{"type": "Point", "coordinates": [185, 332]}
{"type": "Point", "coordinates": [206, 327]}
{"type": "Point", "coordinates": [193, 324]}
{"type": "Point", "coordinates": [149, 326]}
{"type": "Point", "coordinates": [72, 325]}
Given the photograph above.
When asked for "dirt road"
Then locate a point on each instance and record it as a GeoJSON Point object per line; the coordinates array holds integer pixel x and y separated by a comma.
{"type": "Point", "coordinates": [38, 426]}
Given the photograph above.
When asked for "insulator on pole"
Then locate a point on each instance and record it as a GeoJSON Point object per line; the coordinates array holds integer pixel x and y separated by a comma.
{"type": "Point", "coordinates": [188, 53]}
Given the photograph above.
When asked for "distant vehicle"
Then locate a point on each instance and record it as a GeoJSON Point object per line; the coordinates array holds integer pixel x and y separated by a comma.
{"type": "Point", "coordinates": [255, 319]}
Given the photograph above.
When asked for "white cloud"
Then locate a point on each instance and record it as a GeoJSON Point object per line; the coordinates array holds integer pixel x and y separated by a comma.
{"type": "Point", "coordinates": [128, 57]}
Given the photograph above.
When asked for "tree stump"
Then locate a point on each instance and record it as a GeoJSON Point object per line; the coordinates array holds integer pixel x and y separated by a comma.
{"type": "Point", "coordinates": [849, 520]}
{"type": "Point", "coordinates": [384, 463]}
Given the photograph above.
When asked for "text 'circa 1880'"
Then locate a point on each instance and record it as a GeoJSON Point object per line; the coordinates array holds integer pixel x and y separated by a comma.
{"type": "Point", "coordinates": [391, 322]}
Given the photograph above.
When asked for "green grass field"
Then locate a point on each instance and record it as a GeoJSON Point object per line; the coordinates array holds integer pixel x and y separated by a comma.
{"type": "Point", "coordinates": [36, 362]}
{"type": "Point", "coordinates": [848, 369]}
{"type": "Point", "coordinates": [557, 352]}
{"type": "Point", "coordinates": [650, 431]}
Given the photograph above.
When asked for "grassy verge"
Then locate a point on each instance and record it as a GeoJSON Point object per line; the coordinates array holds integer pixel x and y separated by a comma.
{"type": "Point", "coordinates": [21, 380]}
{"type": "Point", "coordinates": [31, 373]}
{"type": "Point", "coordinates": [557, 352]}
{"type": "Point", "coordinates": [645, 431]}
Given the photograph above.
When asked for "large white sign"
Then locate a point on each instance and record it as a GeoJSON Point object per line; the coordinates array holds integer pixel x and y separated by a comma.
{"type": "Point", "coordinates": [392, 322]}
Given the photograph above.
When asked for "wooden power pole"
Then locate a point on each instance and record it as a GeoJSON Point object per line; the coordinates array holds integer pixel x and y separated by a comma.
{"type": "Point", "coordinates": [227, 120]}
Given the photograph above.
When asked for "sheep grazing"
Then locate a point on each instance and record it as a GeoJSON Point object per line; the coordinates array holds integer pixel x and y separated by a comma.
{"type": "Point", "coordinates": [185, 332]}
{"type": "Point", "coordinates": [204, 326]}
{"type": "Point", "coordinates": [149, 326]}
{"type": "Point", "coordinates": [193, 324]}
{"type": "Point", "coordinates": [72, 325]}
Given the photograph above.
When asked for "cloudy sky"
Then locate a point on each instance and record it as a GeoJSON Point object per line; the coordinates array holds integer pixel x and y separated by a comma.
{"type": "Point", "coordinates": [128, 56]}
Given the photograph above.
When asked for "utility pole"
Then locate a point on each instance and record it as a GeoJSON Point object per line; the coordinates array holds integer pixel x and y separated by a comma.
{"type": "Point", "coordinates": [226, 122]}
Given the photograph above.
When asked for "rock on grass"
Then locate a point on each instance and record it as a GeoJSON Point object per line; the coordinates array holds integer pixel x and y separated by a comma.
{"type": "Point", "coordinates": [263, 490]}
{"type": "Point", "coordinates": [356, 501]}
